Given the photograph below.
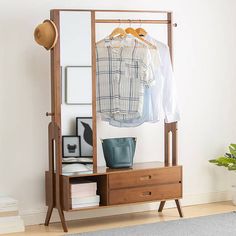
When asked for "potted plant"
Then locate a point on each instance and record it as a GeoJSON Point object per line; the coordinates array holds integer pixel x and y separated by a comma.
{"type": "Point", "coordinates": [228, 161]}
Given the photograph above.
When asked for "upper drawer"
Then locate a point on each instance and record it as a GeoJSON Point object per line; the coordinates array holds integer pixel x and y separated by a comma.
{"type": "Point", "coordinates": [145, 177]}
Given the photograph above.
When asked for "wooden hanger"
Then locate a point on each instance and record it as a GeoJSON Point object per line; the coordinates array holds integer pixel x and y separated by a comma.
{"type": "Point", "coordinates": [141, 32]}
{"type": "Point", "coordinates": [117, 32]}
{"type": "Point", "coordinates": [132, 31]}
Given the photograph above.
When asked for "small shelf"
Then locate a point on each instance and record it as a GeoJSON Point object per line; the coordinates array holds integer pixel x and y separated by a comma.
{"type": "Point", "coordinates": [102, 189]}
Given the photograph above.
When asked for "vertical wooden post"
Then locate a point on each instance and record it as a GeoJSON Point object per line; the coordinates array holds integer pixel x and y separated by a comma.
{"type": "Point", "coordinates": [55, 129]}
{"type": "Point", "coordinates": [174, 130]}
{"type": "Point", "coordinates": [50, 190]}
{"type": "Point", "coordinates": [170, 34]}
{"type": "Point", "coordinates": [170, 127]}
{"type": "Point", "coordinates": [94, 110]}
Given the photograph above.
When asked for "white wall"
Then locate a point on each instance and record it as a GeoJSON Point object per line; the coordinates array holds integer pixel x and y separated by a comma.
{"type": "Point", "coordinates": [204, 44]}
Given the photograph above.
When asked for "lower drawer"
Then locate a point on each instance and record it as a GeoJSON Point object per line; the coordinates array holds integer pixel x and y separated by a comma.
{"type": "Point", "coordinates": [148, 193]}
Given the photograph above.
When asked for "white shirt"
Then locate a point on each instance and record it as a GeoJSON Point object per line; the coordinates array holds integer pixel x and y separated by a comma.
{"type": "Point", "coordinates": [164, 100]}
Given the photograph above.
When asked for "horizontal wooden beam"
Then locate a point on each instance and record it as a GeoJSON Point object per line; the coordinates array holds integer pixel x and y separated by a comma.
{"type": "Point", "coordinates": [133, 21]}
{"type": "Point", "coordinates": [95, 10]}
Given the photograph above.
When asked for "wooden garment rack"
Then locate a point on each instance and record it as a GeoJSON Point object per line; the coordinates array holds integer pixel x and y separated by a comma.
{"type": "Point", "coordinates": [155, 181]}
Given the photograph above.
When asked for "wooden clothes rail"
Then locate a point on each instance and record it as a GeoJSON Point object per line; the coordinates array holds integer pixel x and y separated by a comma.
{"type": "Point", "coordinates": [113, 21]}
{"type": "Point", "coordinates": [57, 185]}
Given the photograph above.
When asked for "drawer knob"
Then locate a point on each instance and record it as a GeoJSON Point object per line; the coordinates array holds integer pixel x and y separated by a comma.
{"type": "Point", "coordinates": [147, 193]}
{"type": "Point", "coordinates": [146, 177]}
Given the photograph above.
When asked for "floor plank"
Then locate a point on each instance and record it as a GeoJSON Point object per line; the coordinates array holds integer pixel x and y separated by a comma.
{"type": "Point", "coordinates": [94, 224]}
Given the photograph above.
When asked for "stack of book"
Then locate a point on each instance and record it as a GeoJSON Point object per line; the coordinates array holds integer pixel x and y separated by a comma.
{"type": "Point", "coordinates": [84, 194]}
{"type": "Point", "coordinates": [10, 221]}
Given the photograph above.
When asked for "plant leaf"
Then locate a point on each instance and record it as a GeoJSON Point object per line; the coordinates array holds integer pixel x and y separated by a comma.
{"type": "Point", "coordinates": [229, 155]}
{"type": "Point", "coordinates": [232, 167]}
{"type": "Point", "coordinates": [224, 161]}
{"type": "Point", "coordinates": [233, 145]}
{"type": "Point", "coordinates": [232, 151]}
{"type": "Point", "coordinates": [213, 161]}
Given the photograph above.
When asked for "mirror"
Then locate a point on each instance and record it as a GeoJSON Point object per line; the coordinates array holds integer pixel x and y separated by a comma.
{"type": "Point", "coordinates": [76, 80]}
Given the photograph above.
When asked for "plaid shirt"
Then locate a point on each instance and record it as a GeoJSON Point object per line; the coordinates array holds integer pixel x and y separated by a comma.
{"type": "Point", "coordinates": [122, 74]}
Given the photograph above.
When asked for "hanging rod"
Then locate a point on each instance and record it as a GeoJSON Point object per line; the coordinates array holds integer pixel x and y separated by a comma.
{"type": "Point", "coordinates": [133, 21]}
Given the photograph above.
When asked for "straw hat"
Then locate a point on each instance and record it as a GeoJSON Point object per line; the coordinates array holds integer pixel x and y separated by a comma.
{"type": "Point", "coordinates": [46, 34]}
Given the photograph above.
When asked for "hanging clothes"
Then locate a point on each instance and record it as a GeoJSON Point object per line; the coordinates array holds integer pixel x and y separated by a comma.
{"type": "Point", "coordinates": [157, 101]}
{"type": "Point", "coordinates": [160, 100]}
{"type": "Point", "coordinates": [123, 69]}
{"type": "Point", "coordinates": [164, 97]}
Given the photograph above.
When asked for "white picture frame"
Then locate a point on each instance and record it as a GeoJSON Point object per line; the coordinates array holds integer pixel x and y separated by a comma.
{"type": "Point", "coordinates": [79, 85]}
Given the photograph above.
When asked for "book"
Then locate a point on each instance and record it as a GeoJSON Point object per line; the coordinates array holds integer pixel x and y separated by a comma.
{"type": "Point", "coordinates": [77, 173]}
{"type": "Point", "coordinates": [19, 227]}
{"type": "Point", "coordinates": [7, 202]}
{"type": "Point", "coordinates": [76, 168]}
{"type": "Point", "coordinates": [85, 200]}
{"type": "Point", "coordinates": [83, 186]}
{"type": "Point", "coordinates": [10, 221]}
{"type": "Point", "coordinates": [81, 194]}
{"type": "Point", "coordinates": [84, 160]}
{"type": "Point", "coordinates": [12, 208]}
{"type": "Point", "coordinates": [8, 213]}
{"type": "Point", "coordinates": [77, 206]}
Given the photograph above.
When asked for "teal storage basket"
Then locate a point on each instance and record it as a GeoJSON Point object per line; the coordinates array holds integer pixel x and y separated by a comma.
{"type": "Point", "coordinates": [119, 152]}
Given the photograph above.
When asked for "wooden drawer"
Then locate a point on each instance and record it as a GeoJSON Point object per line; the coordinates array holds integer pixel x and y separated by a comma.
{"type": "Point", "coordinates": [148, 193]}
{"type": "Point", "coordinates": [145, 177]}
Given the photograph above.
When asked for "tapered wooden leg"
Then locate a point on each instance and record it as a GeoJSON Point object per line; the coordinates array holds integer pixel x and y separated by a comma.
{"type": "Point", "coordinates": [48, 216]}
{"type": "Point", "coordinates": [162, 204]}
{"type": "Point", "coordinates": [63, 222]}
{"type": "Point", "coordinates": [179, 207]}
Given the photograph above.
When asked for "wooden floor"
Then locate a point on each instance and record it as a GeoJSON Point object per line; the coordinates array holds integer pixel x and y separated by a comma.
{"type": "Point", "coordinates": [128, 219]}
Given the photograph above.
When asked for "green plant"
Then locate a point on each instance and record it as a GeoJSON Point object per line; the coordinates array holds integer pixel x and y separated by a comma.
{"type": "Point", "coordinates": [228, 160]}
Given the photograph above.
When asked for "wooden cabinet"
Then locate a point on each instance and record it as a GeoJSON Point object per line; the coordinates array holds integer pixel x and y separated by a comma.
{"type": "Point", "coordinates": [144, 182]}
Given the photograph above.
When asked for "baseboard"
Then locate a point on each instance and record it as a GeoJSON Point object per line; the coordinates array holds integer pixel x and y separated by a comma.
{"type": "Point", "coordinates": [38, 216]}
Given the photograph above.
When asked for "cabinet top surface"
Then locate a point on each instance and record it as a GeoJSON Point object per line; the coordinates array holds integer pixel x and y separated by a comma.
{"type": "Point", "coordinates": [102, 170]}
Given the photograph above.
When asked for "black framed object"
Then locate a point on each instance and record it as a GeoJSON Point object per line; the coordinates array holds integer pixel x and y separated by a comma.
{"type": "Point", "coordinates": [84, 130]}
{"type": "Point", "coordinates": [71, 146]}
